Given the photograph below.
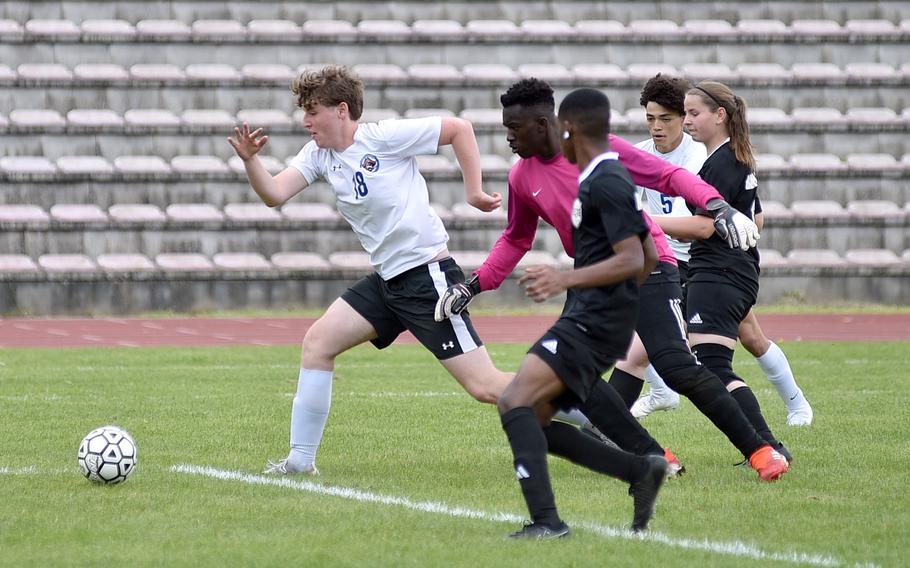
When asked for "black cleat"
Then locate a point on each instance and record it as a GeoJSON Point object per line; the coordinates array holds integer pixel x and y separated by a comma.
{"type": "Point", "coordinates": [540, 531]}
{"type": "Point", "coordinates": [644, 492]}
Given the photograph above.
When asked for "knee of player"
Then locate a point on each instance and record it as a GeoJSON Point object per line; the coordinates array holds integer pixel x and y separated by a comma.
{"type": "Point", "coordinates": [317, 345]}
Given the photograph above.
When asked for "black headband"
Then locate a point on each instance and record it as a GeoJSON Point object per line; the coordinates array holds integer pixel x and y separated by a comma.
{"type": "Point", "coordinates": [710, 96]}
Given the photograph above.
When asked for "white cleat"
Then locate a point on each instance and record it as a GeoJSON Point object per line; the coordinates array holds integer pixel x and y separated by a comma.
{"type": "Point", "coordinates": [800, 417]}
{"type": "Point", "coordinates": [284, 467]}
{"type": "Point", "coordinates": [652, 403]}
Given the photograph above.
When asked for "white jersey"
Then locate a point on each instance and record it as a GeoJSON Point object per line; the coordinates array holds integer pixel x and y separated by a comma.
{"type": "Point", "coordinates": [380, 192]}
{"type": "Point", "coordinates": [689, 155]}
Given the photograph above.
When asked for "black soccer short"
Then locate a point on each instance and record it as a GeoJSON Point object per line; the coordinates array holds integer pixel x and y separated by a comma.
{"type": "Point", "coordinates": [578, 359]}
{"type": "Point", "coordinates": [407, 302]}
{"type": "Point", "coordinates": [661, 316]}
{"type": "Point", "coordinates": [716, 306]}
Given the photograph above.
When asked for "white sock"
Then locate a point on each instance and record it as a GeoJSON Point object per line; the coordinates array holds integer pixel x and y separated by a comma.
{"type": "Point", "coordinates": [657, 385]}
{"type": "Point", "coordinates": [575, 417]}
{"type": "Point", "coordinates": [775, 365]}
{"type": "Point", "coordinates": [309, 414]}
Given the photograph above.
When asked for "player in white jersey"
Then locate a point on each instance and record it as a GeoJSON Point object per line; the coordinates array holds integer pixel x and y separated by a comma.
{"type": "Point", "coordinates": [663, 99]}
{"type": "Point", "coordinates": [379, 191]}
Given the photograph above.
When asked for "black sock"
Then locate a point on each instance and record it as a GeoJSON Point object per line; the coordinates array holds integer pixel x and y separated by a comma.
{"type": "Point", "coordinates": [570, 443]}
{"type": "Point", "coordinates": [607, 411]}
{"type": "Point", "coordinates": [710, 396]}
{"type": "Point", "coordinates": [747, 401]}
{"type": "Point", "coordinates": [719, 360]}
{"type": "Point", "coordinates": [529, 447]}
{"type": "Point", "coordinates": [628, 386]}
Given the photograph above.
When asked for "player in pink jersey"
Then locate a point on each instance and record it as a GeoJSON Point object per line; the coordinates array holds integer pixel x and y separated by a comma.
{"type": "Point", "coordinates": [543, 185]}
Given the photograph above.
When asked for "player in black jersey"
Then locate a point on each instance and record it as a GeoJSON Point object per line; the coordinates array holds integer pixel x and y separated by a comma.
{"type": "Point", "coordinates": [722, 282]}
{"type": "Point", "coordinates": [613, 254]}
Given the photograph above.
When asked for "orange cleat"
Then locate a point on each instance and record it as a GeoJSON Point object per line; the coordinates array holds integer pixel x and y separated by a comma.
{"type": "Point", "coordinates": [769, 463]}
{"type": "Point", "coordinates": [674, 467]}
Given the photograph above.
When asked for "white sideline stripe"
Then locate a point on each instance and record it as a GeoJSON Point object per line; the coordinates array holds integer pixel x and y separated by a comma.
{"type": "Point", "coordinates": [729, 548]}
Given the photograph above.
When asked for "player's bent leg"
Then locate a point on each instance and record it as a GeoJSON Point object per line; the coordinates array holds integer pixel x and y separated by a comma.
{"type": "Point", "coordinates": [339, 329]}
{"type": "Point", "coordinates": [477, 375]}
{"type": "Point", "coordinates": [776, 367]}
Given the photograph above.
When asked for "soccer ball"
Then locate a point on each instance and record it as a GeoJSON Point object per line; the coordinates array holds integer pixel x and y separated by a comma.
{"type": "Point", "coordinates": [107, 455]}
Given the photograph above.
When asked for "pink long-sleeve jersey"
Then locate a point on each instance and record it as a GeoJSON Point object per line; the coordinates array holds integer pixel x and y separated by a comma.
{"type": "Point", "coordinates": [546, 189]}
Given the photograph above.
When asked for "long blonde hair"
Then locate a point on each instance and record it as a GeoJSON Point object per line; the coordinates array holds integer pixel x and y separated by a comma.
{"type": "Point", "coordinates": [716, 95]}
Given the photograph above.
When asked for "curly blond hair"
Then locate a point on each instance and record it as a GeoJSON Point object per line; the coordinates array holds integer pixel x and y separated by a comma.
{"type": "Point", "coordinates": [330, 86]}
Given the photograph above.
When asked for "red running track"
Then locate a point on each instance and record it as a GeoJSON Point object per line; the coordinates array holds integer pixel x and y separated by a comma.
{"type": "Point", "coordinates": [139, 332]}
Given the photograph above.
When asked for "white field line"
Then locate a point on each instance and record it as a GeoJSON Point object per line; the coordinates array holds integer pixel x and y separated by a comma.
{"type": "Point", "coordinates": [728, 548]}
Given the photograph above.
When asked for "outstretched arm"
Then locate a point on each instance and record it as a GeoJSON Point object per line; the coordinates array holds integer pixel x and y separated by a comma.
{"type": "Point", "coordinates": [650, 171]}
{"type": "Point", "coordinates": [460, 134]}
{"type": "Point", "coordinates": [273, 190]}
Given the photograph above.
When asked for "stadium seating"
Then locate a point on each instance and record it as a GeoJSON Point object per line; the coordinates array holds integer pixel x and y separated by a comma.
{"type": "Point", "coordinates": [119, 192]}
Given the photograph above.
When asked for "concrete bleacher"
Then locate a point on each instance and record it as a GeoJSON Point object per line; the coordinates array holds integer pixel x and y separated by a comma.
{"type": "Point", "coordinates": [202, 131]}
{"type": "Point", "coordinates": [119, 193]}
{"type": "Point", "coordinates": [399, 86]}
{"type": "Point", "coordinates": [318, 228]}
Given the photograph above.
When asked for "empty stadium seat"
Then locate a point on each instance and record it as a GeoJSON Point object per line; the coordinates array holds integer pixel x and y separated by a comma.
{"type": "Point", "coordinates": [21, 213]}
{"type": "Point", "coordinates": [17, 263]}
{"type": "Point", "coordinates": [193, 213]}
{"type": "Point", "coordinates": [66, 263]}
{"type": "Point", "coordinates": [78, 213]}
{"type": "Point", "coordinates": [183, 262]}
{"type": "Point", "coordinates": [815, 258]}
{"type": "Point", "coordinates": [299, 261]}
{"type": "Point", "coordinates": [136, 213]}
{"type": "Point", "coordinates": [125, 263]}
{"type": "Point", "coordinates": [240, 261]}
{"type": "Point", "coordinates": [872, 257]}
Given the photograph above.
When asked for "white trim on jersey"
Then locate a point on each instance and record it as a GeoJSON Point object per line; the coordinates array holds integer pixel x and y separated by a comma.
{"type": "Point", "coordinates": [465, 339]}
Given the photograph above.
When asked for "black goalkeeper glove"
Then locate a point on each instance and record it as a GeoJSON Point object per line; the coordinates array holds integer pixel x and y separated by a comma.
{"type": "Point", "coordinates": [732, 226]}
{"type": "Point", "coordinates": [456, 298]}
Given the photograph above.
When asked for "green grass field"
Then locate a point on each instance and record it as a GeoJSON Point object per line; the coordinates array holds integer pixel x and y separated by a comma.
{"type": "Point", "coordinates": [401, 428]}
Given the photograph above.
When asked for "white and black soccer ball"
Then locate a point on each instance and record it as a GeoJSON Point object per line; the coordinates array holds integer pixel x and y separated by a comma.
{"type": "Point", "coordinates": [107, 455]}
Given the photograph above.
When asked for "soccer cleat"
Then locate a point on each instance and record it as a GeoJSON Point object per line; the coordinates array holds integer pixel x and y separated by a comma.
{"type": "Point", "coordinates": [592, 431]}
{"type": "Point", "coordinates": [652, 403]}
{"type": "Point", "coordinates": [769, 463]}
{"type": "Point", "coordinates": [675, 468]}
{"type": "Point", "coordinates": [540, 531]}
{"type": "Point", "coordinates": [285, 467]}
{"type": "Point", "coordinates": [644, 492]}
{"type": "Point", "coordinates": [800, 417]}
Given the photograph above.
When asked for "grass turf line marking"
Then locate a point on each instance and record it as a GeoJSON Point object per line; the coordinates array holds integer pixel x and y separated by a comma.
{"type": "Point", "coordinates": [729, 548]}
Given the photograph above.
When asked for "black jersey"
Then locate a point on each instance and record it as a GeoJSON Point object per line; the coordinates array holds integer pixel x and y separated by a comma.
{"type": "Point", "coordinates": [736, 182]}
{"type": "Point", "coordinates": [604, 213]}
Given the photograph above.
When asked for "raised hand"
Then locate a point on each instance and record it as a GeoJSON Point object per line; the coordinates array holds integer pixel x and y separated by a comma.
{"type": "Point", "coordinates": [247, 144]}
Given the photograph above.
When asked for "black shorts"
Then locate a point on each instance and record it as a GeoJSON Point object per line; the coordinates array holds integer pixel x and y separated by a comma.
{"type": "Point", "coordinates": [407, 302]}
{"type": "Point", "coordinates": [576, 358]}
{"type": "Point", "coordinates": [683, 268]}
{"type": "Point", "coordinates": [716, 306]}
{"type": "Point", "coordinates": [661, 320]}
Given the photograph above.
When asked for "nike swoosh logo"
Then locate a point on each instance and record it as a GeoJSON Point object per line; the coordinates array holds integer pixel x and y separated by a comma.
{"type": "Point", "coordinates": [534, 193]}
{"type": "Point", "coordinates": [794, 396]}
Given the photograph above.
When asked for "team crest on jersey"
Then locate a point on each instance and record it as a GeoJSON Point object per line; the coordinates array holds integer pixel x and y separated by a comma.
{"type": "Point", "coordinates": [576, 213]}
{"type": "Point", "coordinates": [370, 163]}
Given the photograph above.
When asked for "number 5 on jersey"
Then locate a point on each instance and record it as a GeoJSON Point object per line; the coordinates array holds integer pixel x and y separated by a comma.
{"type": "Point", "coordinates": [360, 186]}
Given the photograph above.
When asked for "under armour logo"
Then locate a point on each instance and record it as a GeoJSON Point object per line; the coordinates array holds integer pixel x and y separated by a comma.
{"type": "Point", "coordinates": [449, 345]}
